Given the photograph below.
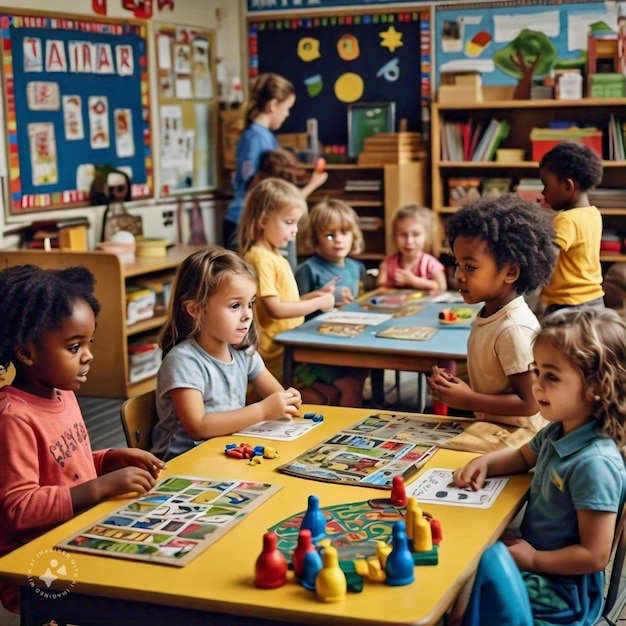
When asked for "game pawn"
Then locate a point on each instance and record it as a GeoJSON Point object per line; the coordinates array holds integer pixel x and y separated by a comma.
{"type": "Point", "coordinates": [435, 531]}
{"type": "Point", "coordinates": [311, 565]}
{"type": "Point", "coordinates": [330, 582]}
{"type": "Point", "coordinates": [398, 492]}
{"type": "Point", "coordinates": [399, 568]}
{"type": "Point", "coordinates": [314, 519]}
{"type": "Point", "coordinates": [304, 545]}
{"type": "Point", "coordinates": [422, 534]}
{"type": "Point", "coordinates": [412, 511]}
{"type": "Point", "coordinates": [270, 570]}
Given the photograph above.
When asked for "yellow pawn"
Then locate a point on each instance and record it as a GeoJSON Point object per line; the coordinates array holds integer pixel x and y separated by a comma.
{"type": "Point", "coordinates": [330, 583]}
{"type": "Point", "coordinates": [382, 552]}
{"type": "Point", "coordinates": [412, 511]}
{"type": "Point", "coordinates": [422, 535]}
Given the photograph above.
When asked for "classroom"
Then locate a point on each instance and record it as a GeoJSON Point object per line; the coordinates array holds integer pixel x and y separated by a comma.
{"type": "Point", "coordinates": [257, 254]}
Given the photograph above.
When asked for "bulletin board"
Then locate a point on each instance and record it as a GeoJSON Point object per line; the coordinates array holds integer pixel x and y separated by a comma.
{"type": "Point", "coordinates": [187, 109]}
{"type": "Point", "coordinates": [76, 96]}
{"type": "Point", "coordinates": [467, 35]}
{"type": "Point", "coordinates": [334, 61]}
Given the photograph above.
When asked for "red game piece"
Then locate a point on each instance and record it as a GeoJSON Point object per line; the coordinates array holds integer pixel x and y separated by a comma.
{"type": "Point", "coordinates": [439, 408]}
{"type": "Point", "coordinates": [270, 570]}
{"type": "Point", "coordinates": [398, 493]}
{"type": "Point", "coordinates": [435, 529]}
{"type": "Point", "coordinates": [305, 544]}
{"type": "Point", "coordinates": [320, 165]}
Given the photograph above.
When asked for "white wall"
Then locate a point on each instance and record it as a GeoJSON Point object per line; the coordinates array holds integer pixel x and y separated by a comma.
{"type": "Point", "coordinates": [225, 18]}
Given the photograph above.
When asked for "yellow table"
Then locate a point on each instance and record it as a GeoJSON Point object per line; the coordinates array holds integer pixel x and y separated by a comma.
{"type": "Point", "coordinates": [221, 579]}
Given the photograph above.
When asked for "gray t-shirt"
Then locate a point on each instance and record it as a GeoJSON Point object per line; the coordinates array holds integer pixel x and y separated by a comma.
{"type": "Point", "coordinates": [223, 387]}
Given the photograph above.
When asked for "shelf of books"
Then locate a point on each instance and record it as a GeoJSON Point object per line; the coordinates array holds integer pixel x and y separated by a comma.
{"type": "Point", "coordinates": [494, 147]}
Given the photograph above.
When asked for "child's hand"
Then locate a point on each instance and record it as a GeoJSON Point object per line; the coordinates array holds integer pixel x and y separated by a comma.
{"type": "Point", "coordinates": [326, 302]}
{"type": "Point", "coordinates": [132, 457]}
{"type": "Point", "coordinates": [317, 179]}
{"type": "Point", "coordinates": [522, 552]}
{"type": "Point", "coordinates": [403, 278]}
{"type": "Point", "coordinates": [281, 405]}
{"type": "Point", "coordinates": [449, 389]}
{"type": "Point", "coordinates": [472, 475]}
{"type": "Point", "coordinates": [344, 296]}
{"type": "Point", "coordinates": [329, 287]}
{"type": "Point", "coordinates": [298, 397]}
{"type": "Point", "coordinates": [125, 480]}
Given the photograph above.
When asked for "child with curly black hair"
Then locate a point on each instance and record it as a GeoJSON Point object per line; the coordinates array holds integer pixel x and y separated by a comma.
{"type": "Point", "coordinates": [503, 249]}
{"type": "Point", "coordinates": [49, 471]}
{"type": "Point", "coordinates": [568, 172]}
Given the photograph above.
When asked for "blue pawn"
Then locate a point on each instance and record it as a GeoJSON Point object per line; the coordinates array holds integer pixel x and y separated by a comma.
{"type": "Point", "coordinates": [400, 567]}
{"type": "Point", "coordinates": [311, 565]}
{"type": "Point", "coordinates": [314, 519]}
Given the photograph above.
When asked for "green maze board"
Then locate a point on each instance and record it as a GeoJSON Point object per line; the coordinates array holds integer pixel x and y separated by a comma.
{"type": "Point", "coordinates": [173, 523]}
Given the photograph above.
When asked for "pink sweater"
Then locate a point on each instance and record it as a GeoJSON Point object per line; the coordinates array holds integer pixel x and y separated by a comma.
{"type": "Point", "coordinates": [44, 450]}
{"type": "Point", "coordinates": [426, 267]}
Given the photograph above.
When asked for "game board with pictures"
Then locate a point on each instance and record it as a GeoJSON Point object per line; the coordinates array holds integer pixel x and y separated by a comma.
{"type": "Point", "coordinates": [374, 450]}
{"type": "Point", "coordinates": [174, 522]}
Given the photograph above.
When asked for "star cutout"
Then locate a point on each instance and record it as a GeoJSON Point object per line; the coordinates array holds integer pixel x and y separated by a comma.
{"type": "Point", "coordinates": [391, 39]}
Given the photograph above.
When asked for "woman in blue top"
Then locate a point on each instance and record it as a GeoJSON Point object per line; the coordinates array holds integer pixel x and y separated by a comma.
{"type": "Point", "coordinates": [271, 98]}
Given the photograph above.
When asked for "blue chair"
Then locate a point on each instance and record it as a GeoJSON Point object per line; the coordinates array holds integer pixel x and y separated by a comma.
{"type": "Point", "coordinates": [499, 595]}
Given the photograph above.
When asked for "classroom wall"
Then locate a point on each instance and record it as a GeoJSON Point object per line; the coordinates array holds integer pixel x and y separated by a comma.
{"type": "Point", "coordinates": [225, 18]}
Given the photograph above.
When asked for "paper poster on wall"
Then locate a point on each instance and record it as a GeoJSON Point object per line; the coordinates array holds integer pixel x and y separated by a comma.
{"type": "Point", "coordinates": [33, 59]}
{"type": "Point", "coordinates": [43, 153]}
{"type": "Point", "coordinates": [124, 142]}
{"type": "Point", "coordinates": [73, 118]}
{"type": "Point", "coordinates": [42, 96]}
{"type": "Point", "coordinates": [182, 59]}
{"type": "Point", "coordinates": [202, 86]}
{"type": "Point", "coordinates": [99, 122]}
{"type": "Point", "coordinates": [171, 139]}
{"type": "Point", "coordinates": [183, 89]}
{"type": "Point", "coordinates": [164, 52]}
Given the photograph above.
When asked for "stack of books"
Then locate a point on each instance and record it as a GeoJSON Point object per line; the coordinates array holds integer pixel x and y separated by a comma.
{"type": "Point", "coordinates": [469, 141]}
{"type": "Point", "coordinates": [389, 148]}
{"type": "Point", "coordinates": [143, 360]}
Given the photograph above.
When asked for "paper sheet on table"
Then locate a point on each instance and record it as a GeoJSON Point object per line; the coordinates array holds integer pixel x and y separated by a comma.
{"type": "Point", "coordinates": [279, 430]}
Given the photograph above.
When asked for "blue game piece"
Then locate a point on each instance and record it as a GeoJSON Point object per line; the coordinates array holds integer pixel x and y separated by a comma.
{"type": "Point", "coordinates": [311, 565]}
{"type": "Point", "coordinates": [399, 568]}
{"type": "Point", "coordinates": [259, 450]}
{"type": "Point", "coordinates": [315, 417]}
{"type": "Point", "coordinates": [309, 416]}
{"type": "Point", "coordinates": [230, 446]}
{"type": "Point", "coordinates": [314, 519]}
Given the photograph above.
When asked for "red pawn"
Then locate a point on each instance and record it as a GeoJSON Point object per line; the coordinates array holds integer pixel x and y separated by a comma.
{"type": "Point", "coordinates": [435, 530]}
{"type": "Point", "coordinates": [305, 544]}
{"type": "Point", "coordinates": [270, 570]}
{"type": "Point", "coordinates": [398, 493]}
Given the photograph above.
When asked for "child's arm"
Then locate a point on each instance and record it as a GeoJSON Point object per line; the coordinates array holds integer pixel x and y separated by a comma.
{"type": "Point", "coordinates": [132, 457]}
{"type": "Point", "coordinates": [497, 463]}
{"type": "Point", "coordinates": [382, 278]}
{"type": "Point", "coordinates": [456, 393]}
{"type": "Point", "coordinates": [406, 278]}
{"type": "Point", "coordinates": [316, 181]}
{"type": "Point", "coordinates": [266, 384]}
{"type": "Point", "coordinates": [591, 555]}
{"type": "Point", "coordinates": [280, 310]}
{"type": "Point", "coordinates": [189, 408]}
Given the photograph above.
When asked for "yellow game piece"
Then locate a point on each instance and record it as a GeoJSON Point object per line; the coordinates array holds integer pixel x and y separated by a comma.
{"type": "Point", "coordinates": [410, 515]}
{"type": "Point", "coordinates": [375, 570]}
{"type": "Point", "coordinates": [323, 543]}
{"type": "Point", "coordinates": [269, 453]}
{"type": "Point", "coordinates": [382, 552]}
{"type": "Point", "coordinates": [422, 536]}
{"type": "Point", "coordinates": [255, 460]}
{"type": "Point", "coordinates": [330, 582]}
{"type": "Point", "coordinates": [361, 567]}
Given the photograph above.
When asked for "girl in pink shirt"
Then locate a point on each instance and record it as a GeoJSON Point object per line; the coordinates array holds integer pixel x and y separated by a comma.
{"type": "Point", "coordinates": [49, 471]}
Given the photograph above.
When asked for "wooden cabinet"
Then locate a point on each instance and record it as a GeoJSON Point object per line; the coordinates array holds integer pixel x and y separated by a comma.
{"type": "Point", "coordinates": [375, 193]}
{"type": "Point", "coordinates": [109, 375]}
{"type": "Point", "coordinates": [522, 116]}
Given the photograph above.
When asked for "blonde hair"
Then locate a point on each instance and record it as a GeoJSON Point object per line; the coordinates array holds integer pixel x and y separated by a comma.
{"type": "Point", "coordinates": [270, 196]}
{"type": "Point", "coordinates": [327, 215]}
{"type": "Point", "coordinates": [594, 341]}
{"type": "Point", "coordinates": [422, 214]}
{"type": "Point", "coordinates": [267, 87]}
{"type": "Point", "coordinates": [199, 277]}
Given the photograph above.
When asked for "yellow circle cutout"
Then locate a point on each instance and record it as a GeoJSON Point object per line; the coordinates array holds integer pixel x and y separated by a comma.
{"type": "Point", "coordinates": [349, 87]}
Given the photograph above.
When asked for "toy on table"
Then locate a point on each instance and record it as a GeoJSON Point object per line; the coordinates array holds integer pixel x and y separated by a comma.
{"type": "Point", "coordinates": [398, 492]}
{"type": "Point", "coordinates": [399, 566]}
{"type": "Point", "coordinates": [320, 165]}
{"type": "Point", "coordinates": [271, 566]}
{"type": "Point", "coordinates": [456, 315]}
{"type": "Point", "coordinates": [252, 454]}
{"type": "Point", "coordinates": [330, 582]}
{"type": "Point", "coordinates": [314, 519]}
{"type": "Point", "coordinates": [314, 417]}
{"type": "Point", "coordinates": [305, 544]}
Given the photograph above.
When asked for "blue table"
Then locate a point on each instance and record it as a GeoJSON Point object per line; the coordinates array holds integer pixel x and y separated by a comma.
{"type": "Point", "coordinates": [305, 345]}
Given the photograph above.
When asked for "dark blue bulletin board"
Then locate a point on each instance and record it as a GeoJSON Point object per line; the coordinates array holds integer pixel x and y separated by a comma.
{"type": "Point", "coordinates": [337, 61]}
{"type": "Point", "coordinates": [77, 97]}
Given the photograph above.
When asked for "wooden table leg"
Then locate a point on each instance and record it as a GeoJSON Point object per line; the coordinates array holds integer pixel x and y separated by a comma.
{"type": "Point", "coordinates": [378, 386]}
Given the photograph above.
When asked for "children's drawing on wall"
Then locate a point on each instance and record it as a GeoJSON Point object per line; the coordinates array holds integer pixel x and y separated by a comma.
{"type": "Point", "coordinates": [99, 136]}
{"type": "Point", "coordinates": [202, 86]}
{"type": "Point", "coordinates": [519, 47]}
{"type": "Point", "coordinates": [177, 149]}
{"type": "Point", "coordinates": [124, 142]}
{"type": "Point", "coordinates": [42, 96]}
{"type": "Point", "coordinates": [182, 59]}
{"type": "Point", "coordinates": [43, 153]}
{"type": "Point", "coordinates": [73, 126]}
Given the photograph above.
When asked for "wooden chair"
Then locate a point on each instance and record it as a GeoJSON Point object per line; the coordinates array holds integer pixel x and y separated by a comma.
{"type": "Point", "coordinates": [139, 416]}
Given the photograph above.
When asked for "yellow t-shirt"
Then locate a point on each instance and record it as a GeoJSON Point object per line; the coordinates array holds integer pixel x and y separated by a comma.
{"type": "Point", "coordinates": [275, 279]}
{"type": "Point", "coordinates": [577, 276]}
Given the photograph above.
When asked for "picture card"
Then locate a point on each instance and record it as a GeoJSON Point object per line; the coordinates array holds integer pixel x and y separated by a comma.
{"type": "Point", "coordinates": [341, 330]}
{"type": "Point", "coordinates": [412, 333]}
{"type": "Point", "coordinates": [279, 430]}
{"type": "Point", "coordinates": [354, 317]}
{"type": "Point", "coordinates": [436, 486]}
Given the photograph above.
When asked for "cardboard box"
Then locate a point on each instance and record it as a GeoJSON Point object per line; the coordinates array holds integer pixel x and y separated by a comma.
{"type": "Point", "coordinates": [460, 93]}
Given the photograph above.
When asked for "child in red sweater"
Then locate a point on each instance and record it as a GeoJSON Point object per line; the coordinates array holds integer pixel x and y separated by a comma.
{"type": "Point", "coordinates": [49, 471]}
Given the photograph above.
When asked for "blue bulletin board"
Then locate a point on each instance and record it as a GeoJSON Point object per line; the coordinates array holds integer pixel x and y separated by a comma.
{"type": "Point", "coordinates": [76, 98]}
{"type": "Point", "coordinates": [467, 35]}
{"type": "Point", "coordinates": [335, 61]}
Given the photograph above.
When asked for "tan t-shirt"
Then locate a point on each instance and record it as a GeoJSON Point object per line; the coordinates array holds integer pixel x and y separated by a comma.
{"type": "Point", "coordinates": [499, 346]}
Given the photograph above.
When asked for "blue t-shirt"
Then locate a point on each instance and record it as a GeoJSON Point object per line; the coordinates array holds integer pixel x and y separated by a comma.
{"type": "Point", "coordinates": [223, 387]}
{"type": "Point", "coordinates": [316, 271]}
{"type": "Point", "coordinates": [253, 143]}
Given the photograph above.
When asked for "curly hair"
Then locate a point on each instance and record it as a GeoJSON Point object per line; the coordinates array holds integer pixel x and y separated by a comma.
{"type": "Point", "coordinates": [200, 276]}
{"type": "Point", "coordinates": [594, 341]}
{"type": "Point", "coordinates": [270, 196]}
{"type": "Point", "coordinates": [517, 231]}
{"type": "Point", "coordinates": [331, 214]}
{"type": "Point", "coordinates": [34, 301]}
{"type": "Point", "coordinates": [267, 87]}
{"type": "Point", "coordinates": [573, 160]}
{"type": "Point", "coordinates": [423, 215]}
{"type": "Point", "coordinates": [281, 164]}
